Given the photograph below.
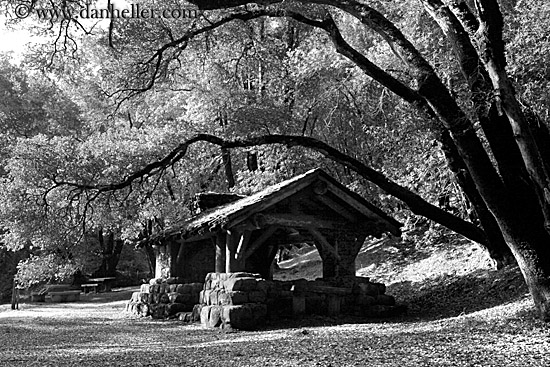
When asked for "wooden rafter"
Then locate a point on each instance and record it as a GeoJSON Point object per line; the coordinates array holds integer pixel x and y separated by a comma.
{"type": "Point", "coordinates": [351, 202]}
{"type": "Point", "coordinates": [199, 237]}
{"type": "Point", "coordinates": [337, 208]}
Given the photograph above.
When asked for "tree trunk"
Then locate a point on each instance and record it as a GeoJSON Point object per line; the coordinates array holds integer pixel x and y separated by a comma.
{"type": "Point", "coordinates": [496, 245]}
{"type": "Point", "coordinates": [520, 204]}
{"type": "Point", "coordinates": [151, 258]}
{"type": "Point", "coordinates": [529, 243]}
{"type": "Point", "coordinates": [110, 251]}
{"type": "Point", "coordinates": [492, 50]}
{"type": "Point", "coordinates": [14, 296]}
{"type": "Point", "coordinates": [226, 157]}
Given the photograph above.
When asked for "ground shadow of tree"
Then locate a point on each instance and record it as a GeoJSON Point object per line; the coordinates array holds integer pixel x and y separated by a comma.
{"type": "Point", "coordinates": [452, 295]}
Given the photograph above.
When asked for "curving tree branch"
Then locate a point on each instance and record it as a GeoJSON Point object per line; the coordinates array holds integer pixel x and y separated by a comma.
{"type": "Point", "coordinates": [411, 199]}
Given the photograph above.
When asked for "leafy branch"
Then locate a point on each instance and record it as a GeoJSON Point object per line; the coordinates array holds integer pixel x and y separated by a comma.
{"type": "Point", "coordinates": [416, 203]}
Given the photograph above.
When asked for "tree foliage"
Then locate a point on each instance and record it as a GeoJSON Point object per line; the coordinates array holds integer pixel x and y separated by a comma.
{"type": "Point", "coordinates": [412, 100]}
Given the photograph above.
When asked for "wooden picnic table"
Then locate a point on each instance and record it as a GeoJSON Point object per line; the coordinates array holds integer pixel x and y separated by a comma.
{"type": "Point", "coordinates": [103, 284]}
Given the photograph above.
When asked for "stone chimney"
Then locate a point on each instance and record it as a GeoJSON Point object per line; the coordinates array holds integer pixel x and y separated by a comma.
{"type": "Point", "coordinates": [209, 200]}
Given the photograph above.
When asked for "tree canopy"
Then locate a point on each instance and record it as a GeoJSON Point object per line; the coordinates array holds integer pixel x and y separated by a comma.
{"type": "Point", "coordinates": [436, 106]}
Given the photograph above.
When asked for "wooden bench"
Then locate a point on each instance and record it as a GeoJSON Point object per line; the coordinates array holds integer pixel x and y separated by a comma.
{"type": "Point", "coordinates": [334, 297]}
{"type": "Point", "coordinates": [87, 287]}
{"type": "Point", "coordinates": [66, 296]}
{"type": "Point", "coordinates": [39, 295]}
{"type": "Point", "coordinates": [103, 284]}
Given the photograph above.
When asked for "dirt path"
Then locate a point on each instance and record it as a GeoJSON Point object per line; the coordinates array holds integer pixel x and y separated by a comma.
{"type": "Point", "coordinates": [95, 332]}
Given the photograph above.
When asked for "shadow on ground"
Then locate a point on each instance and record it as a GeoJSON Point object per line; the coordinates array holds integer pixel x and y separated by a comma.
{"type": "Point", "coordinates": [465, 290]}
{"type": "Point", "coordinates": [453, 295]}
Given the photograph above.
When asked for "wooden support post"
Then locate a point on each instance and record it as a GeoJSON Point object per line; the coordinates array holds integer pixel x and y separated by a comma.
{"type": "Point", "coordinates": [243, 244]}
{"type": "Point", "coordinates": [272, 253]}
{"type": "Point", "coordinates": [231, 243]}
{"type": "Point", "coordinates": [176, 267]}
{"type": "Point", "coordinates": [220, 252]}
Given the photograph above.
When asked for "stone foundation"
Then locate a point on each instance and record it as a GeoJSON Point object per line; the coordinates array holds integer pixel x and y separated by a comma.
{"type": "Point", "coordinates": [246, 301]}
{"type": "Point", "coordinates": [168, 298]}
{"type": "Point", "coordinates": [236, 300]}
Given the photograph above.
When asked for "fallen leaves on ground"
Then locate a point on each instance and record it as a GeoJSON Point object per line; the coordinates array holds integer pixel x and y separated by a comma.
{"type": "Point", "coordinates": [92, 333]}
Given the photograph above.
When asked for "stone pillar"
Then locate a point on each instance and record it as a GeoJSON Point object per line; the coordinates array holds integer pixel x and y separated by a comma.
{"type": "Point", "coordinates": [330, 265]}
{"type": "Point", "coordinates": [329, 262]}
{"type": "Point", "coordinates": [349, 244]}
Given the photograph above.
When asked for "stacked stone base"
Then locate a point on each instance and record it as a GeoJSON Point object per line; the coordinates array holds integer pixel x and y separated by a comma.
{"type": "Point", "coordinates": [236, 300]}
{"type": "Point", "coordinates": [323, 297]}
{"type": "Point", "coordinates": [370, 300]}
{"type": "Point", "coordinates": [170, 298]}
{"type": "Point", "coordinates": [246, 301]}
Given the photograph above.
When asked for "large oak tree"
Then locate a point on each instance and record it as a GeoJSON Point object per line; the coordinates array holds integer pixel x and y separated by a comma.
{"type": "Point", "coordinates": [504, 168]}
{"type": "Point", "coordinates": [516, 187]}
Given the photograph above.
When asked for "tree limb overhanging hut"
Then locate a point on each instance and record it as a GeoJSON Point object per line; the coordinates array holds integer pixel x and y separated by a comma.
{"type": "Point", "coordinates": [245, 233]}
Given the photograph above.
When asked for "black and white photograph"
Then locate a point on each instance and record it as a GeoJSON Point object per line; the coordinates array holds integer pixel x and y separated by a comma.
{"type": "Point", "coordinates": [231, 183]}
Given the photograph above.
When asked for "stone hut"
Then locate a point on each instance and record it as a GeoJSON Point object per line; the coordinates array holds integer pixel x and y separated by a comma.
{"type": "Point", "coordinates": [241, 236]}
{"type": "Point", "coordinates": [244, 233]}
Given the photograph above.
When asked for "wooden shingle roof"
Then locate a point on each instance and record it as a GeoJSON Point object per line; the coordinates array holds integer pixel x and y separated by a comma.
{"type": "Point", "coordinates": [231, 214]}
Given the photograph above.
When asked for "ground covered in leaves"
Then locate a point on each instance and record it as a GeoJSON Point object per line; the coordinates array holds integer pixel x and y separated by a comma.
{"type": "Point", "coordinates": [465, 315]}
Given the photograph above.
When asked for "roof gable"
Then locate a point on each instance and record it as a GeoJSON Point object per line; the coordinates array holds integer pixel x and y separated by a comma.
{"type": "Point", "coordinates": [341, 200]}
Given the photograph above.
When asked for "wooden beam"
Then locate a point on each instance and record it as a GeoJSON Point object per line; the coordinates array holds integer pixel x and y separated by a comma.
{"type": "Point", "coordinates": [271, 200]}
{"type": "Point", "coordinates": [243, 243]}
{"type": "Point", "coordinates": [323, 242]}
{"type": "Point", "coordinates": [298, 221]}
{"type": "Point", "coordinates": [196, 238]}
{"type": "Point", "coordinates": [247, 225]}
{"type": "Point", "coordinates": [220, 252]}
{"type": "Point", "coordinates": [272, 253]}
{"type": "Point", "coordinates": [353, 203]}
{"type": "Point", "coordinates": [268, 232]}
{"type": "Point", "coordinates": [320, 187]}
{"type": "Point", "coordinates": [330, 290]}
{"type": "Point", "coordinates": [337, 208]}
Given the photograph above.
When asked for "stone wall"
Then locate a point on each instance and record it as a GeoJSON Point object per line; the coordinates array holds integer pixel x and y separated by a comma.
{"type": "Point", "coordinates": [236, 300]}
{"type": "Point", "coordinates": [170, 298]}
{"type": "Point", "coordinates": [246, 301]}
